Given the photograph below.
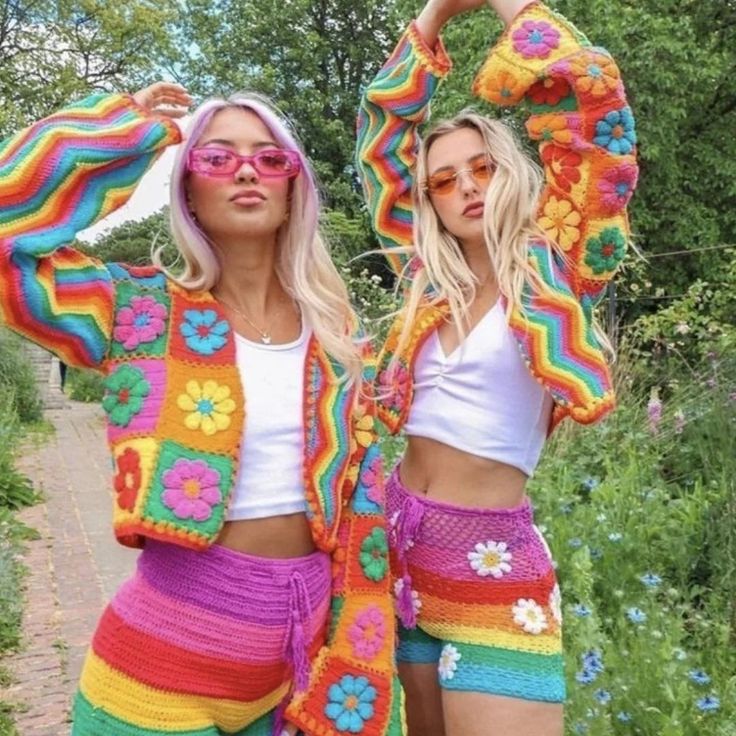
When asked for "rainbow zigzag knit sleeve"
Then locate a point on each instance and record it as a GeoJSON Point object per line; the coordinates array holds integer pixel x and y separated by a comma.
{"type": "Point", "coordinates": [392, 107]}
{"type": "Point", "coordinates": [586, 134]}
{"type": "Point", "coordinates": [58, 177]}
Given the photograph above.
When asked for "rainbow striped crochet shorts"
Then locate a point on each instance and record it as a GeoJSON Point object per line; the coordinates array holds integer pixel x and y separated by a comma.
{"type": "Point", "coordinates": [203, 644]}
{"type": "Point", "coordinates": [477, 595]}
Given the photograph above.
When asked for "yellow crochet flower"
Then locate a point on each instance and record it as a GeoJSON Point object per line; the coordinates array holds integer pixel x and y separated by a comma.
{"type": "Point", "coordinates": [363, 427]}
{"type": "Point", "coordinates": [560, 221]}
{"type": "Point", "coordinates": [210, 406]}
{"type": "Point", "coordinates": [551, 127]}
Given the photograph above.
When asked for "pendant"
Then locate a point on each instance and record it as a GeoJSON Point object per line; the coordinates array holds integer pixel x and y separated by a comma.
{"type": "Point", "coordinates": [265, 338]}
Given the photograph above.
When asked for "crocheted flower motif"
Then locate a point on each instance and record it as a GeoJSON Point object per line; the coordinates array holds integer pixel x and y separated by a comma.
{"type": "Point", "coordinates": [127, 481]}
{"type": "Point", "coordinates": [594, 74]}
{"type": "Point", "coordinates": [143, 320]}
{"type": "Point", "coordinates": [503, 87]}
{"type": "Point", "coordinates": [616, 187]}
{"type": "Point", "coordinates": [191, 489]}
{"type": "Point", "coordinates": [126, 388]}
{"type": "Point", "coordinates": [616, 131]}
{"type": "Point", "coordinates": [447, 665]}
{"type": "Point", "coordinates": [350, 703]}
{"type": "Point", "coordinates": [491, 558]}
{"type": "Point", "coordinates": [549, 91]}
{"type": "Point", "coordinates": [416, 601]}
{"type": "Point", "coordinates": [530, 616]}
{"type": "Point", "coordinates": [535, 39]}
{"type": "Point", "coordinates": [363, 427]}
{"type": "Point", "coordinates": [202, 332]}
{"type": "Point", "coordinates": [605, 252]}
{"type": "Point", "coordinates": [374, 554]}
{"type": "Point", "coordinates": [393, 386]}
{"type": "Point", "coordinates": [210, 406]}
{"type": "Point", "coordinates": [368, 632]}
{"type": "Point", "coordinates": [372, 479]}
{"type": "Point", "coordinates": [555, 604]}
{"type": "Point", "coordinates": [560, 221]}
{"type": "Point", "coordinates": [564, 165]}
{"type": "Point", "coordinates": [552, 127]}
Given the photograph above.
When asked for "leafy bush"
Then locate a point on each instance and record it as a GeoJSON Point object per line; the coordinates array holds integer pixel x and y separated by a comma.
{"type": "Point", "coordinates": [16, 373]}
{"type": "Point", "coordinates": [84, 385]}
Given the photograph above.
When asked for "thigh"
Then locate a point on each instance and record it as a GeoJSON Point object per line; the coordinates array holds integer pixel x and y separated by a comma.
{"type": "Point", "coordinates": [482, 714]}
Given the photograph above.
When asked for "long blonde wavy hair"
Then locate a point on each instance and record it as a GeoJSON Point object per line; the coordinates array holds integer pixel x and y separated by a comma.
{"type": "Point", "coordinates": [304, 265]}
{"type": "Point", "coordinates": [509, 223]}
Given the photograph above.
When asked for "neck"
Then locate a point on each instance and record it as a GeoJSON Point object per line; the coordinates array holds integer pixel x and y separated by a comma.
{"type": "Point", "coordinates": [478, 260]}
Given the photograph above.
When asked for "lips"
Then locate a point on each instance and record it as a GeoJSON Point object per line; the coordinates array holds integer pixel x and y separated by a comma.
{"type": "Point", "coordinates": [247, 197]}
{"type": "Point", "coordinates": [474, 209]}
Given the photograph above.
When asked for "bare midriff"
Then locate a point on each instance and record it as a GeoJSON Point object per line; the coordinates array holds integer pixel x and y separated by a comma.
{"type": "Point", "coordinates": [446, 474]}
{"type": "Point", "coordinates": [275, 536]}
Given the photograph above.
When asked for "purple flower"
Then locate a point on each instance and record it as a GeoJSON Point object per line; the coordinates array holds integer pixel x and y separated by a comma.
{"type": "Point", "coordinates": [143, 320]}
{"type": "Point", "coordinates": [191, 489]}
{"type": "Point", "coordinates": [535, 39]}
{"type": "Point", "coordinates": [616, 187]}
{"type": "Point", "coordinates": [654, 412]}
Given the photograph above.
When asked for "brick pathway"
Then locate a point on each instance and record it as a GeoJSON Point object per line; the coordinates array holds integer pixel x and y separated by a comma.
{"type": "Point", "coordinates": [75, 567]}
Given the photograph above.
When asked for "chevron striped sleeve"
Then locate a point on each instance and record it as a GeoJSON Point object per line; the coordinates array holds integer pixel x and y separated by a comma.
{"type": "Point", "coordinates": [58, 177]}
{"type": "Point", "coordinates": [392, 107]}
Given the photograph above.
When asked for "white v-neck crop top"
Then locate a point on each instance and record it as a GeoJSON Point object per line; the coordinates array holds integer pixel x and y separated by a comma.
{"type": "Point", "coordinates": [270, 478]}
{"type": "Point", "coordinates": [481, 398]}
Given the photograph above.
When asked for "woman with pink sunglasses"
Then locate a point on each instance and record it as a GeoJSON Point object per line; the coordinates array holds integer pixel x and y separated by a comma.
{"type": "Point", "coordinates": [241, 432]}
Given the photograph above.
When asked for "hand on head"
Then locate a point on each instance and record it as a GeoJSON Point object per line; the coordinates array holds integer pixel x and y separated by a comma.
{"type": "Point", "coordinates": [164, 98]}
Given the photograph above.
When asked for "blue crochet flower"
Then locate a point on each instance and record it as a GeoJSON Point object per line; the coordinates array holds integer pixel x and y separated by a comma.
{"type": "Point", "coordinates": [616, 131]}
{"type": "Point", "coordinates": [202, 332]}
{"type": "Point", "coordinates": [351, 703]}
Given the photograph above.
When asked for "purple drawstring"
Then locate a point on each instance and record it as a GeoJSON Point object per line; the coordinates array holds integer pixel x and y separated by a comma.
{"type": "Point", "coordinates": [407, 526]}
{"type": "Point", "coordinates": [300, 612]}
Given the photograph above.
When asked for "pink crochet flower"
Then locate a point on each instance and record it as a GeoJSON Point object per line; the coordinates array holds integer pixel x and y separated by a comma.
{"type": "Point", "coordinates": [372, 477]}
{"type": "Point", "coordinates": [191, 489]}
{"type": "Point", "coordinates": [141, 321]}
{"type": "Point", "coordinates": [393, 386]}
{"type": "Point", "coordinates": [535, 38]}
{"type": "Point", "coordinates": [617, 186]}
{"type": "Point", "coordinates": [368, 632]}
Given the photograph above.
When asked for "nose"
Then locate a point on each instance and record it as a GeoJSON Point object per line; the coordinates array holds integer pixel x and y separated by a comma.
{"type": "Point", "coordinates": [466, 182]}
{"type": "Point", "coordinates": [246, 172]}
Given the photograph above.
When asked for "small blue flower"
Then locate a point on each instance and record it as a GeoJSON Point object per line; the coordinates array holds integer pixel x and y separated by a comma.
{"type": "Point", "coordinates": [590, 484]}
{"type": "Point", "coordinates": [602, 696]}
{"type": "Point", "coordinates": [623, 716]}
{"type": "Point", "coordinates": [596, 554]}
{"type": "Point", "coordinates": [699, 677]}
{"type": "Point", "coordinates": [616, 131]}
{"type": "Point", "coordinates": [576, 542]}
{"type": "Point", "coordinates": [615, 537]}
{"type": "Point", "coordinates": [586, 676]}
{"type": "Point", "coordinates": [202, 332]}
{"type": "Point", "coordinates": [593, 660]}
{"type": "Point", "coordinates": [581, 727]}
{"type": "Point", "coordinates": [580, 610]}
{"type": "Point", "coordinates": [636, 615]}
{"type": "Point", "coordinates": [351, 703]}
{"type": "Point", "coordinates": [650, 580]}
{"type": "Point", "coordinates": [709, 703]}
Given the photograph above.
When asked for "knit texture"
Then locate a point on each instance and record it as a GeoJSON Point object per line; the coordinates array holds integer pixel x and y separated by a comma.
{"type": "Point", "coordinates": [477, 595]}
{"type": "Point", "coordinates": [173, 395]}
{"type": "Point", "coordinates": [587, 146]}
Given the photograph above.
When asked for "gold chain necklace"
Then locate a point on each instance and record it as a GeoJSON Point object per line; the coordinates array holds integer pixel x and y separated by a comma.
{"type": "Point", "coordinates": [264, 333]}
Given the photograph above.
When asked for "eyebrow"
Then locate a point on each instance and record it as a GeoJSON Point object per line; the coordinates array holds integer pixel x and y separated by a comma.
{"type": "Point", "coordinates": [467, 161]}
{"type": "Point", "coordinates": [231, 144]}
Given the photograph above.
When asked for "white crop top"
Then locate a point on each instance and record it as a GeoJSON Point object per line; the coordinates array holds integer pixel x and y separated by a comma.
{"type": "Point", "coordinates": [481, 398]}
{"type": "Point", "coordinates": [270, 479]}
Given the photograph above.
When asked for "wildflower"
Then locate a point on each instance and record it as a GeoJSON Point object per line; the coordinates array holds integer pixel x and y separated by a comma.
{"type": "Point", "coordinates": [654, 411]}
{"type": "Point", "coordinates": [593, 660]}
{"type": "Point", "coordinates": [602, 696]}
{"type": "Point", "coordinates": [576, 542]}
{"type": "Point", "coordinates": [679, 654]}
{"type": "Point", "coordinates": [580, 610]}
{"type": "Point", "coordinates": [708, 703]}
{"type": "Point", "coordinates": [586, 676]}
{"type": "Point", "coordinates": [615, 536]}
{"type": "Point", "coordinates": [682, 328]}
{"type": "Point", "coordinates": [636, 615]}
{"type": "Point", "coordinates": [650, 580]}
{"type": "Point", "coordinates": [623, 716]}
{"type": "Point", "coordinates": [595, 553]}
{"type": "Point", "coordinates": [679, 418]}
{"type": "Point", "coordinates": [581, 727]}
{"type": "Point", "coordinates": [590, 483]}
{"type": "Point", "coordinates": [698, 677]}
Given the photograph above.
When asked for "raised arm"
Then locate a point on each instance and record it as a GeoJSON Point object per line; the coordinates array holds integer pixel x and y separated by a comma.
{"type": "Point", "coordinates": [60, 176]}
{"type": "Point", "coordinates": [585, 130]}
{"type": "Point", "coordinates": [393, 105]}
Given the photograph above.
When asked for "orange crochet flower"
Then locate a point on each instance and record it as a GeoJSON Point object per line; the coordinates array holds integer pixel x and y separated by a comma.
{"type": "Point", "coordinates": [552, 127]}
{"type": "Point", "coordinates": [563, 164]}
{"type": "Point", "coordinates": [594, 74]}
{"type": "Point", "coordinates": [560, 221]}
{"type": "Point", "coordinates": [504, 88]}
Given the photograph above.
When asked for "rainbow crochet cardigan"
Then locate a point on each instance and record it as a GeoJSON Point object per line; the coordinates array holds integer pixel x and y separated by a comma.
{"type": "Point", "coordinates": [174, 400]}
{"type": "Point", "coordinates": [587, 146]}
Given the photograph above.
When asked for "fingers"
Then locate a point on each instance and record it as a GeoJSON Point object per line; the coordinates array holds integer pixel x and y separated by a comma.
{"type": "Point", "coordinates": [164, 98]}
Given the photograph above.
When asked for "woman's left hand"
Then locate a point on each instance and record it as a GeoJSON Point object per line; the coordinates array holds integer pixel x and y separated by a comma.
{"type": "Point", "coordinates": [164, 98]}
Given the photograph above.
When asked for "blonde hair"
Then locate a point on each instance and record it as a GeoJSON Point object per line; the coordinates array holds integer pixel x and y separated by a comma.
{"type": "Point", "coordinates": [304, 265]}
{"type": "Point", "coordinates": [509, 223]}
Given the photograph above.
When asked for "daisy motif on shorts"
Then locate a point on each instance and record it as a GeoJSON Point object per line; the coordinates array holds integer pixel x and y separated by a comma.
{"type": "Point", "coordinates": [530, 616]}
{"type": "Point", "coordinates": [447, 665]}
{"type": "Point", "coordinates": [491, 558]}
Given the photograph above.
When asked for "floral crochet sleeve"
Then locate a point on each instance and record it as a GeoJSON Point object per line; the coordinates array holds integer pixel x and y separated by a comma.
{"type": "Point", "coordinates": [587, 140]}
{"type": "Point", "coordinates": [395, 103]}
{"type": "Point", "coordinates": [58, 177]}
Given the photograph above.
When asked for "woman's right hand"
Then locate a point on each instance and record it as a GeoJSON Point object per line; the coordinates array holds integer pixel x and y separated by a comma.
{"type": "Point", "coordinates": [164, 98]}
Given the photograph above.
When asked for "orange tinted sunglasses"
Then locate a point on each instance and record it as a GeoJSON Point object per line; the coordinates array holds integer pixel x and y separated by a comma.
{"type": "Point", "coordinates": [444, 182]}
